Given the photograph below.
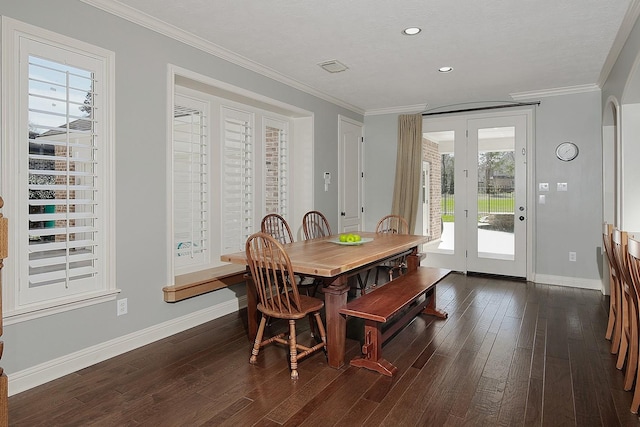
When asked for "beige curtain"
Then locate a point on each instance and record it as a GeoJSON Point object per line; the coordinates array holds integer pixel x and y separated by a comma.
{"type": "Point", "coordinates": [406, 191]}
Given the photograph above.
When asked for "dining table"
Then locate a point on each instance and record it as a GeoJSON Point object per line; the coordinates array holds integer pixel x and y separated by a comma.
{"type": "Point", "coordinates": [337, 263]}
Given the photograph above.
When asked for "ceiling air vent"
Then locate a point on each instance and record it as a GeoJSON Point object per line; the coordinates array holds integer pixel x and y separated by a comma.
{"type": "Point", "coordinates": [333, 66]}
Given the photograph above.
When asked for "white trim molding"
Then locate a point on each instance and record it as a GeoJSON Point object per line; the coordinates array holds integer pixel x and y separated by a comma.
{"type": "Point", "coordinates": [56, 368]}
{"type": "Point", "coordinates": [571, 282]}
{"type": "Point", "coordinates": [132, 15]}
{"type": "Point", "coordinates": [520, 96]}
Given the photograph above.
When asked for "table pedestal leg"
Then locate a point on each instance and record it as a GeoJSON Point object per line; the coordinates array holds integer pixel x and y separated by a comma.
{"type": "Point", "coordinates": [335, 297]}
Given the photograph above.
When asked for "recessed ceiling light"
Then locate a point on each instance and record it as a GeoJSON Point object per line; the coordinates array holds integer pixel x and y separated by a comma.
{"type": "Point", "coordinates": [333, 66]}
{"type": "Point", "coordinates": [411, 31]}
{"type": "Point", "coordinates": [445, 69]}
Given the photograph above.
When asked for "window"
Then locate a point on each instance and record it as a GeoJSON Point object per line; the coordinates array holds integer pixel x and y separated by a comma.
{"type": "Point", "coordinates": [190, 184]}
{"type": "Point", "coordinates": [230, 167]}
{"type": "Point", "coordinates": [61, 206]}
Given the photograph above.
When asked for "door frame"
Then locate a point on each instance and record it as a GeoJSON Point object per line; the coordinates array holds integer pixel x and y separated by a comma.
{"type": "Point", "coordinates": [530, 197]}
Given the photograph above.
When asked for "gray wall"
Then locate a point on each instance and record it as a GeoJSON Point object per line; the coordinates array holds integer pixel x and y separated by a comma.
{"type": "Point", "coordinates": [623, 85]}
{"type": "Point", "coordinates": [141, 59]}
{"type": "Point", "coordinates": [569, 221]}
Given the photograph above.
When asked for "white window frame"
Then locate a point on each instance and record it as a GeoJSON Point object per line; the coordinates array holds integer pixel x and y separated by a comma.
{"type": "Point", "coordinates": [14, 107]}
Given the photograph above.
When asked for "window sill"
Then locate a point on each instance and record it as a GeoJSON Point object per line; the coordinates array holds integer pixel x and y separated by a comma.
{"type": "Point", "coordinates": [200, 282]}
{"type": "Point", "coordinates": [34, 312]}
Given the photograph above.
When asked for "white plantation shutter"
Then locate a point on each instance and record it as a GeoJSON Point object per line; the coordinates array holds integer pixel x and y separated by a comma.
{"type": "Point", "coordinates": [238, 175]}
{"type": "Point", "coordinates": [62, 155]}
{"type": "Point", "coordinates": [190, 184]}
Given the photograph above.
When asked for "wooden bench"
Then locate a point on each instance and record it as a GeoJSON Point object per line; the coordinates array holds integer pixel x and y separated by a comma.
{"type": "Point", "coordinates": [396, 298]}
{"type": "Point", "coordinates": [201, 282]}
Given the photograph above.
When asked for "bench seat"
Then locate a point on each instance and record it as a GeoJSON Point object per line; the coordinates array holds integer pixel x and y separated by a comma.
{"type": "Point", "coordinates": [200, 282]}
{"type": "Point", "coordinates": [393, 301]}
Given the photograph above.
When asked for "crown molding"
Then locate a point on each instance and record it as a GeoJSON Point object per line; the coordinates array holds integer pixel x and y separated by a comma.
{"type": "Point", "coordinates": [518, 96]}
{"type": "Point", "coordinates": [630, 18]}
{"type": "Point", "coordinates": [144, 20]}
{"type": "Point", "coordinates": [407, 109]}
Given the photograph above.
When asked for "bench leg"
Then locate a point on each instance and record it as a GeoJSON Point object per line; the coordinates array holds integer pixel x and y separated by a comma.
{"type": "Point", "coordinates": [431, 309]}
{"type": "Point", "coordinates": [372, 351]}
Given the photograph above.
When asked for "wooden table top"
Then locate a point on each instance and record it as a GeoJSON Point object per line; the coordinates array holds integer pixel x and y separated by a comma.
{"type": "Point", "coordinates": [321, 257]}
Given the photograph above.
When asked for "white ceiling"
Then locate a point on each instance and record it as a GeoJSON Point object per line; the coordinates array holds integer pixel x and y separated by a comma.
{"type": "Point", "coordinates": [499, 49]}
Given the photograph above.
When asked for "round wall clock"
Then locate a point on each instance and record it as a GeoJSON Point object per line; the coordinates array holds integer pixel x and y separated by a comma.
{"type": "Point", "coordinates": [567, 151]}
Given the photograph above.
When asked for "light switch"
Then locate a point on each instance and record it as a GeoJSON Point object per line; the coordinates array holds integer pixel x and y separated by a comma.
{"type": "Point", "coordinates": [543, 186]}
{"type": "Point", "coordinates": [542, 199]}
{"type": "Point", "coordinates": [562, 186]}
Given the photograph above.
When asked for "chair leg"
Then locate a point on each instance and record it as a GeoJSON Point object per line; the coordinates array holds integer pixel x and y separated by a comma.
{"type": "Point", "coordinates": [632, 357]}
{"type": "Point", "coordinates": [256, 345]}
{"type": "Point", "coordinates": [612, 312]}
{"type": "Point", "coordinates": [622, 351]}
{"type": "Point", "coordinates": [293, 349]}
{"type": "Point", "coordinates": [635, 403]}
{"type": "Point", "coordinates": [617, 328]}
{"type": "Point", "coordinates": [312, 326]}
{"type": "Point", "coordinates": [321, 330]}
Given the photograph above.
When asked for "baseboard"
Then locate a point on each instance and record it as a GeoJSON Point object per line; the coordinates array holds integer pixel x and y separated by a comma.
{"type": "Point", "coordinates": [572, 282]}
{"type": "Point", "coordinates": [56, 368]}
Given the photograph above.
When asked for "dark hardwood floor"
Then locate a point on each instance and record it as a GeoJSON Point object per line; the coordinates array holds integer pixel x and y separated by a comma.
{"type": "Point", "coordinates": [510, 353]}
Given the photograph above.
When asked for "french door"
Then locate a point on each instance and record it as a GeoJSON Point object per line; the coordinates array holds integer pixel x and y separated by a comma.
{"type": "Point", "coordinates": [482, 206]}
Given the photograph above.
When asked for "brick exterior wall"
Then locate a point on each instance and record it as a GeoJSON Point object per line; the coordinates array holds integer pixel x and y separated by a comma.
{"type": "Point", "coordinates": [272, 166]}
{"type": "Point", "coordinates": [431, 154]}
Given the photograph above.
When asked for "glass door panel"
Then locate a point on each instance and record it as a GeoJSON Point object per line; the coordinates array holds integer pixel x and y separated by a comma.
{"type": "Point", "coordinates": [495, 193]}
{"type": "Point", "coordinates": [496, 224]}
{"type": "Point", "coordinates": [443, 147]}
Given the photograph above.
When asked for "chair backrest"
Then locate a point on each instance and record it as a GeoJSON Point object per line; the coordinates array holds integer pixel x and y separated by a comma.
{"type": "Point", "coordinates": [277, 227]}
{"type": "Point", "coordinates": [607, 229]}
{"type": "Point", "coordinates": [633, 261]}
{"type": "Point", "coordinates": [314, 225]}
{"type": "Point", "coordinates": [272, 274]}
{"type": "Point", "coordinates": [393, 224]}
{"type": "Point", "coordinates": [619, 241]}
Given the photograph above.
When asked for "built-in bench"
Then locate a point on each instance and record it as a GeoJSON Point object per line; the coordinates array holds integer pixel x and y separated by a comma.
{"type": "Point", "coordinates": [398, 301]}
{"type": "Point", "coordinates": [201, 282]}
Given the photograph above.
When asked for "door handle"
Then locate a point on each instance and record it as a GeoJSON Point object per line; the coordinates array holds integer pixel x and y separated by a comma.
{"type": "Point", "coordinates": [343, 214]}
{"type": "Point", "coordinates": [521, 218]}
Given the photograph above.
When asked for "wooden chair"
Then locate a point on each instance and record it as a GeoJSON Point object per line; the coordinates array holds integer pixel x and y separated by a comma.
{"type": "Point", "coordinates": [277, 227]}
{"type": "Point", "coordinates": [315, 224]}
{"type": "Point", "coordinates": [614, 325]}
{"type": "Point", "coordinates": [393, 224]}
{"type": "Point", "coordinates": [633, 263]}
{"type": "Point", "coordinates": [398, 225]}
{"type": "Point", "coordinates": [278, 297]}
{"type": "Point", "coordinates": [628, 351]}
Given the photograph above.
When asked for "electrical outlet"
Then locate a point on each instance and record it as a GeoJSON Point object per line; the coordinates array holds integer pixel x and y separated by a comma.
{"type": "Point", "coordinates": [572, 256]}
{"type": "Point", "coordinates": [122, 306]}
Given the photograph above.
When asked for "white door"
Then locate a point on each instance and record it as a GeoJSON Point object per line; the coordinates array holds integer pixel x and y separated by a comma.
{"type": "Point", "coordinates": [350, 176]}
{"type": "Point", "coordinates": [483, 180]}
